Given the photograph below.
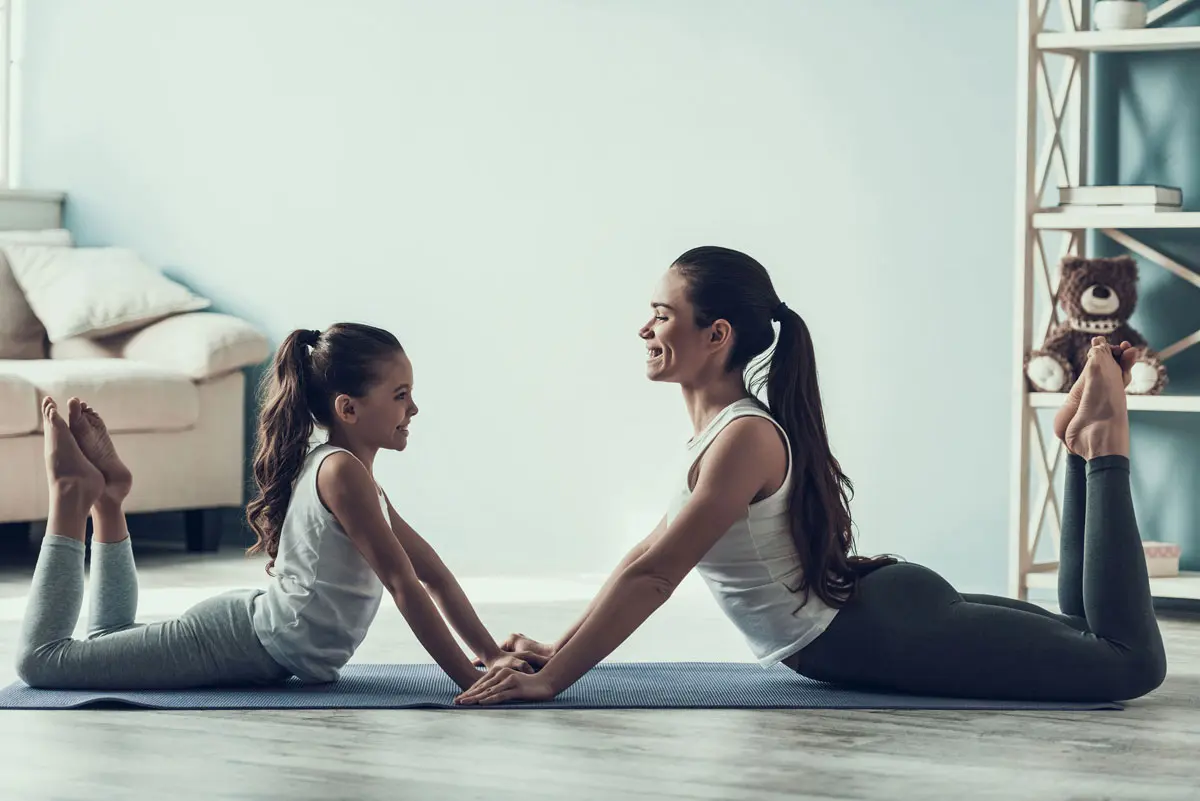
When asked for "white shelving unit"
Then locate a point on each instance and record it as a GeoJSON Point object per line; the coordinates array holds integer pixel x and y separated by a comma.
{"type": "Point", "coordinates": [1054, 123]}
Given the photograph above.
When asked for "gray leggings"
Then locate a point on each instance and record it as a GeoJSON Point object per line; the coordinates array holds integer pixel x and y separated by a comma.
{"type": "Point", "coordinates": [211, 644]}
{"type": "Point", "coordinates": [907, 629]}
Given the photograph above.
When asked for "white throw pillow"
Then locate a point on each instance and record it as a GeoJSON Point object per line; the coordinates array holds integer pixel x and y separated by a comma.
{"type": "Point", "coordinates": [94, 292]}
{"type": "Point", "coordinates": [22, 335]}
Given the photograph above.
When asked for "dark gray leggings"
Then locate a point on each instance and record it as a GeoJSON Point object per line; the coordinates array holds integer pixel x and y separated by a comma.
{"type": "Point", "coordinates": [908, 630]}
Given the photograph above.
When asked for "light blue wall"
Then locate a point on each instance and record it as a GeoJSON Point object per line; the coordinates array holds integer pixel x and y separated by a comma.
{"type": "Point", "coordinates": [1148, 114]}
{"type": "Point", "coordinates": [501, 184]}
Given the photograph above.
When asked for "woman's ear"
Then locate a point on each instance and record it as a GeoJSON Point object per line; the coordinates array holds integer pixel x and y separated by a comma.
{"type": "Point", "coordinates": [720, 332]}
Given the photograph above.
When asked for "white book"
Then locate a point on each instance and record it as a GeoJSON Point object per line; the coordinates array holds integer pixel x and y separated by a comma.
{"type": "Point", "coordinates": [1117, 208]}
{"type": "Point", "coordinates": [1151, 194]}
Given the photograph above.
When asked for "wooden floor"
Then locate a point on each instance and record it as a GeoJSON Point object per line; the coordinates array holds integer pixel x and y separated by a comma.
{"type": "Point", "coordinates": [1149, 751]}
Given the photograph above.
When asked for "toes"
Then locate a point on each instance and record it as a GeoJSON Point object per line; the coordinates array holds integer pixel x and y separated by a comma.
{"type": "Point", "coordinates": [48, 406]}
{"type": "Point", "coordinates": [74, 410]}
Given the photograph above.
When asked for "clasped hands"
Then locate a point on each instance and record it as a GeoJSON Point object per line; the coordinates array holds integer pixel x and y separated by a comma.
{"type": "Point", "coordinates": [512, 676]}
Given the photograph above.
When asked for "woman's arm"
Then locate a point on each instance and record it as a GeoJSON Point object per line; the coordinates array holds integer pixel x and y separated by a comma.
{"type": "Point", "coordinates": [348, 490]}
{"type": "Point", "coordinates": [735, 468]}
{"type": "Point", "coordinates": [635, 553]}
{"type": "Point", "coordinates": [445, 589]}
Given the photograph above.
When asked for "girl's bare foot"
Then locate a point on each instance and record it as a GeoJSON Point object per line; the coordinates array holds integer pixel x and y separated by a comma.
{"type": "Point", "coordinates": [75, 483]}
{"type": "Point", "coordinates": [1125, 355]}
{"type": "Point", "coordinates": [92, 436]}
{"type": "Point", "coordinates": [1100, 426]}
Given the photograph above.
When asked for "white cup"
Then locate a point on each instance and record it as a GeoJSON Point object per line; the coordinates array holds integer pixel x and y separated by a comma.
{"type": "Point", "coordinates": [1119, 15]}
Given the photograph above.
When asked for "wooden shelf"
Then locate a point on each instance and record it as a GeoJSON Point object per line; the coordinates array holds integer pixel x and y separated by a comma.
{"type": "Point", "coordinates": [1144, 40]}
{"type": "Point", "coordinates": [1053, 219]}
{"type": "Point", "coordinates": [1135, 403]}
{"type": "Point", "coordinates": [1185, 585]}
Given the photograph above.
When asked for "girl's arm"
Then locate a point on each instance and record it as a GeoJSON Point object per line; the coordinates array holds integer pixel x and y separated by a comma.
{"type": "Point", "coordinates": [735, 468]}
{"type": "Point", "coordinates": [445, 589]}
{"type": "Point", "coordinates": [348, 490]}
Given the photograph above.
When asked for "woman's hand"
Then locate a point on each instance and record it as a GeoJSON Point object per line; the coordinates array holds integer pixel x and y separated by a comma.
{"type": "Point", "coordinates": [504, 684]}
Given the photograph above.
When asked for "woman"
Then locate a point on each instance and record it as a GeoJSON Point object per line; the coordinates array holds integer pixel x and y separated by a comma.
{"type": "Point", "coordinates": [763, 515]}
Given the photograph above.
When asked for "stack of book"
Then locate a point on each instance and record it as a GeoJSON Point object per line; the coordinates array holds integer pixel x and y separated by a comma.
{"type": "Point", "coordinates": [1149, 199]}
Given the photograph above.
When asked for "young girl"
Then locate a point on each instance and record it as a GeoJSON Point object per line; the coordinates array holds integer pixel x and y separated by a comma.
{"type": "Point", "coordinates": [763, 514]}
{"type": "Point", "coordinates": [335, 543]}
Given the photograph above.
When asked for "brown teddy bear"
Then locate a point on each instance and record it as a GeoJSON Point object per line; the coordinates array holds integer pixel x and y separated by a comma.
{"type": "Point", "coordinates": [1098, 296]}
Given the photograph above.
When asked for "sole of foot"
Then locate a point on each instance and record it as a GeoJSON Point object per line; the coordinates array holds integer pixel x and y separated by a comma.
{"type": "Point", "coordinates": [92, 435]}
{"type": "Point", "coordinates": [1100, 425]}
{"type": "Point", "coordinates": [1125, 355]}
{"type": "Point", "coordinates": [72, 478]}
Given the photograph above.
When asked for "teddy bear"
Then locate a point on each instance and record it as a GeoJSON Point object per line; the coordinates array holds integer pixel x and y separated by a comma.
{"type": "Point", "coordinates": [1098, 296]}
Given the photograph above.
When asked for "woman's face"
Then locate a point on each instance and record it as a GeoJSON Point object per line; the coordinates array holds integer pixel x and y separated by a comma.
{"type": "Point", "coordinates": [676, 349]}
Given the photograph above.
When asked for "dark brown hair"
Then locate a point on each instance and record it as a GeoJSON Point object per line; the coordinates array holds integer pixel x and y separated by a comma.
{"type": "Point", "coordinates": [724, 284]}
{"type": "Point", "coordinates": [311, 368]}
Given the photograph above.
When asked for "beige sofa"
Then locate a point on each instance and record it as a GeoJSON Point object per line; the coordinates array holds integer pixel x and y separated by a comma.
{"type": "Point", "coordinates": [172, 392]}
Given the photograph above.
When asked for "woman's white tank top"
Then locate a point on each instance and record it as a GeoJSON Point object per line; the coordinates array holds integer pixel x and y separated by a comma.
{"type": "Point", "coordinates": [324, 596]}
{"type": "Point", "coordinates": [754, 570]}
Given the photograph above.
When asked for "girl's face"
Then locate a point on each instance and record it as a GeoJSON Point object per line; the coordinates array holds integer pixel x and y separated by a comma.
{"type": "Point", "coordinates": [380, 418]}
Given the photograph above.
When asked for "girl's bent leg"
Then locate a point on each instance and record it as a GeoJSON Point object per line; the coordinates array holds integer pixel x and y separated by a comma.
{"type": "Point", "coordinates": [114, 597]}
{"type": "Point", "coordinates": [55, 596]}
{"type": "Point", "coordinates": [212, 644]}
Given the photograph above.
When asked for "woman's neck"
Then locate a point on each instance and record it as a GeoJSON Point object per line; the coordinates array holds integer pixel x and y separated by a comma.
{"type": "Point", "coordinates": [704, 401]}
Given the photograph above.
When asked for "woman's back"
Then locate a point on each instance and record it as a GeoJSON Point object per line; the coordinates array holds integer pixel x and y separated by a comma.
{"type": "Point", "coordinates": [754, 570]}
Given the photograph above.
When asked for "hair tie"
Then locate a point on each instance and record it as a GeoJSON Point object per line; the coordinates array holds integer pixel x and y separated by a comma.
{"type": "Point", "coordinates": [779, 310]}
{"type": "Point", "coordinates": [310, 338]}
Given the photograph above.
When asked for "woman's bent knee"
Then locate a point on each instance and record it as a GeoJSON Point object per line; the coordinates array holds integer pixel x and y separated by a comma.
{"type": "Point", "coordinates": [1146, 673]}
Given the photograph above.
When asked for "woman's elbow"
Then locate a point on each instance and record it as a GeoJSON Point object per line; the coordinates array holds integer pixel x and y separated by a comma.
{"type": "Point", "coordinates": [658, 581]}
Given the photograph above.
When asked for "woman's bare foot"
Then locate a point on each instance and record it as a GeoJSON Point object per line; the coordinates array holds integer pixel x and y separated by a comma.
{"type": "Point", "coordinates": [92, 436]}
{"type": "Point", "coordinates": [75, 483]}
{"type": "Point", "coordinates": [1125, 355]}
{"type": "Point", "coordinates": [1100, 426]}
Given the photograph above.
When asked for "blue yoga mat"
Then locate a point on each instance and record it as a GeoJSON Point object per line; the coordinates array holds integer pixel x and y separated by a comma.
{"type": "Point", "coordinates": [614, 685]}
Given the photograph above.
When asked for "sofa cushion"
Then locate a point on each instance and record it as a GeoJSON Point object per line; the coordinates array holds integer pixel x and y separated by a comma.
{"type": "Point", "coordinates": [19, 403]}
{"type": "Point", "coordinates": [95, 291]}
{"type": "Point", "coordinates": [131, 396]}
{"type": "Point", "coordinates": [22, 335]}
{"type": "Point", "coordinates": [201, 345]}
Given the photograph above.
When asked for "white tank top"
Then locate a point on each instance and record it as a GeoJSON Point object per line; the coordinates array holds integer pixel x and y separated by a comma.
{"type": "Point", "coordinates": [324, 596]}
{"type": "Point", "coordinates": [754, 570]}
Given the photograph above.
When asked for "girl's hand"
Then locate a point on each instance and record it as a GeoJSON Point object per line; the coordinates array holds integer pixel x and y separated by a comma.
{"type": "Point", "coordinates": [531, 651]}
{"type": "Point", "coordinates": [504, 684]}
{"type": "Point", "coordinates": [515, 662]}
{"type": "Point", "coordinates": [519, 642]}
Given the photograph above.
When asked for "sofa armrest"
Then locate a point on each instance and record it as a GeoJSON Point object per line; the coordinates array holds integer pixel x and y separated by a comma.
{"type": "Point", "coordinates": [200, 345]}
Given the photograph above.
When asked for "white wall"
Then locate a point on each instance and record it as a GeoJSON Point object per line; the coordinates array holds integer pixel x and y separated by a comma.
{"type": "Point", "coordinates": [501, 184]}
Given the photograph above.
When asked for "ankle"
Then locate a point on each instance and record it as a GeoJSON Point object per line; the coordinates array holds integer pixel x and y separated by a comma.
{"type": "Point", "coordinates": [1112, 444]}
{"type": "Point", "coordinates": [115, 493]}
{"type": "Point", "coordinates": [108, 504]}
{"type": "Point", "coordinates": [73, 495]}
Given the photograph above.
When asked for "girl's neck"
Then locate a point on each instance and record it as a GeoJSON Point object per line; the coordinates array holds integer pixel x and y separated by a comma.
{"type": "Point", "coordinates": [364, 453]}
